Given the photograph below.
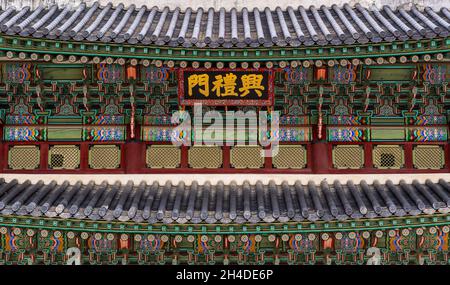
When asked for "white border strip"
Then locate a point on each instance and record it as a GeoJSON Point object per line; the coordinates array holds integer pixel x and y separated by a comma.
{"type": "Point", "coordinates": [225, 178]}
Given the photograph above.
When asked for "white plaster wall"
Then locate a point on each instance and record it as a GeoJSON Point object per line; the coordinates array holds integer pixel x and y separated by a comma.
{"type": "Point", "coordinates": [225, 178]}
{"type": "Point", "coordinates": [228, 4]}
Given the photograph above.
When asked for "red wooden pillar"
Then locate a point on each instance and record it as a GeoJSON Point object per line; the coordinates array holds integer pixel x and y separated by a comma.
{"type": "Point", "coordinates": [184, 156]}
{"type": "Point", "coordinates": [84, 158]}
{"type": "Point", "coordinates": [268, 159]}
{"type": "Point", "coordinates": [5, 150]}
{"type": "Point", "coordinates": [368, 155]}
{"type": "Point", "coordinates": [225, 157]}
{"type": "Point", "coordinates": [134, 156]}
{"type": "Point", "coordinates": [44, 156]}
{"type": "Point", "coordinates": [319, 152]}
{"type": "Point", "coordinates": [408, 147]}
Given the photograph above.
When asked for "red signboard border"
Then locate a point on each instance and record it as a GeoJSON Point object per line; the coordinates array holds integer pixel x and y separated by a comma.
{"type": "Point", "coordinates": [214, 102]}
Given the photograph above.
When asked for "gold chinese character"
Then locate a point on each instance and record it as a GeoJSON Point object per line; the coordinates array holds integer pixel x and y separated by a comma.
{"type": "Point", "coordinates": [251, 82]}
{"type": "Point", "coordinates": [202, 80]}
{"type": "Point", "coordinates": [227, 82]}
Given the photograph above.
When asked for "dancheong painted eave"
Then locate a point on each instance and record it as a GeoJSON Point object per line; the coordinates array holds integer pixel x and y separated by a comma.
{"type": "Point", "coordinates": [223, 204]}
{"type": "Point", "coordinates": [210, 28]}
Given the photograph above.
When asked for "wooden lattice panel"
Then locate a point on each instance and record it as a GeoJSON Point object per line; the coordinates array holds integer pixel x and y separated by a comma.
{"type": "Point", "coordinates": [348, 156]}
{"type": "Point", "coordinates": [104, 156]}
{"type": "Point", "coordinates": [205, 157]}
{"type": "Point", "coordinates": [246, 157]}
{"type": "Point", "coordinates": [64, 157]}
{"type": "Point", "coordinates": [290, 156]}
{"type": "Point", "coordinates": [163, 156]}
{"type": "Point", "coordinates": [388, 156]}
{"type": "Point", "coordinates": [428, 157]}
{"type": "Point", "coordinates": [24, 157]}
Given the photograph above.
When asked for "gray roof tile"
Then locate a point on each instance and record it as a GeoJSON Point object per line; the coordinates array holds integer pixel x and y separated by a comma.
{"type": "Point", "coordinates": [234, 28]}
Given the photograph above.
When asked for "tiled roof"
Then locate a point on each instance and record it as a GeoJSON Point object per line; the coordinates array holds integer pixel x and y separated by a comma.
{"type": "Point", "coordinates": [246, 203]}
{"type": "Point", "coordinates": [293, 26]}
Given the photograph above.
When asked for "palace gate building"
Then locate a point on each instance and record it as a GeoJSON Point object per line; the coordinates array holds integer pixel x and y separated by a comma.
{"type": "Point", "coordinates": [92, 90]}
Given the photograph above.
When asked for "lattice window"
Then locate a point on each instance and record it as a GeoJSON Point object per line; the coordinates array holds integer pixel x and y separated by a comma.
{"type": "Point", "coordinates": [388, 156]}
{"type": "Point", "coordinates": [205, 157]}
{"type": "Point", "coordinates": [104, 156]}
{"type": "Point", "coordinates": [64, 157]}
{"type": "Point", "coordinates": [163, 156]}
{"type": "Point", "coordinates": [290, 156]}
{"type": "Point", "coordinates": [24, 157]}
{"type": "Point", "coordinates": [348, 156]}
{"type": "Point", "coordinates": [428, 157]}
{"type": "Point", "coordinates": [246, 157]}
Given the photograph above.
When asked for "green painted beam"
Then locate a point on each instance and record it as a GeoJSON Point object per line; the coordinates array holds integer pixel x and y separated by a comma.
{"type": "Point", "coordinates": [41, 46]}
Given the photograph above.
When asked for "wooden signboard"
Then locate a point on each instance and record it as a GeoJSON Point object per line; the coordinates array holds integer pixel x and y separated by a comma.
{"type": "Point", "coordinates": [226, 87]}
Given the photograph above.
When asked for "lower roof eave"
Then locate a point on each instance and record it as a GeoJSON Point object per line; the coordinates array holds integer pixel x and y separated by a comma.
{"type": "Point", "coordinates": [150, 202]}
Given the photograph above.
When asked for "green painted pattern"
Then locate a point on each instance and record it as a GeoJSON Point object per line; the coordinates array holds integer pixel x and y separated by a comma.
{"type": "Point", "coordinates": [41, 46]}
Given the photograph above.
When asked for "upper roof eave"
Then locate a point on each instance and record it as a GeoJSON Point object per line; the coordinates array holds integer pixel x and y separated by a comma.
{"type": "Point", "coordinates": [232, 29]}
